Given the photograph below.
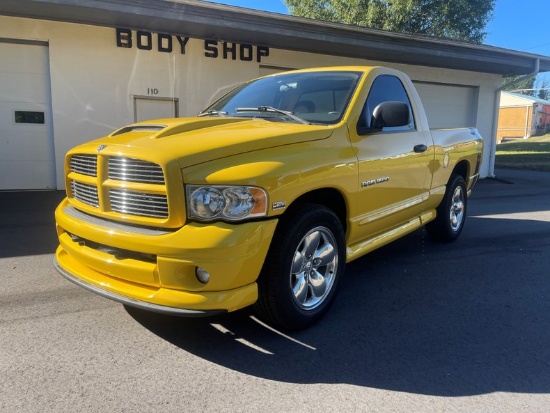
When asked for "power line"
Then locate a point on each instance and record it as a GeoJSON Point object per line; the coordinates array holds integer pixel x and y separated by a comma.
{"type": "Point", "coordinates": [528, 90]}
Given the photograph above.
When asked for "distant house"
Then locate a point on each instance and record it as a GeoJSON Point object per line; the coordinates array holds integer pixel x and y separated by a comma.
{"type": "Point", "coordinates": [522, 116]}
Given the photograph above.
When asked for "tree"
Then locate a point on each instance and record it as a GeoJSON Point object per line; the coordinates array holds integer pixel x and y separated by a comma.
{"type": "Point", "coordinates": [530, 86]}
{"type": "Point", "coordinates": [543, 89]}
{"type": "Point", "coordinates": [457, 19]}
{"type": "Point", "coordinates": [519, 84]}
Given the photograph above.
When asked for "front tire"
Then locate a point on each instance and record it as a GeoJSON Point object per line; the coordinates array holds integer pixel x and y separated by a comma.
{"type": "Point", "coordinates": [302, 271]}
{"type": "Point", "coordinates": [451, 213]}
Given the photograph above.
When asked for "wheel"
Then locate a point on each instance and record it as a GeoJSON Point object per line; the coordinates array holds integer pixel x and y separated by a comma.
{"type": "Point", "coordinates": [451, 213]}
{"type": "Point", "coordinates": [301, 274]}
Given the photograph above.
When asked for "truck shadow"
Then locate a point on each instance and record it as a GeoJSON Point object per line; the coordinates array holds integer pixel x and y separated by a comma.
{"type": "Point", "coordinates": [27, 223]}
{"type": "Point", "coordinates": [415, 316]}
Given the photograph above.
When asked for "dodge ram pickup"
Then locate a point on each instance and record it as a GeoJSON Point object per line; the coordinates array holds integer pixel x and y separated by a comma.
{"type": "Point", "coordinates": [264, 196]}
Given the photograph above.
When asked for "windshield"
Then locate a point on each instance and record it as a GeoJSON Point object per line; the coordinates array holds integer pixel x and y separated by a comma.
{"type": "Point", "coordinates": [312, 97]}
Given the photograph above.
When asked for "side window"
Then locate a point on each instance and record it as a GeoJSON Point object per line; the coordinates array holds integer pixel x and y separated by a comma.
{"type": "Point", "coordinates": [327, 101]}
{"type": "Point", "coordinates": [385, 88]}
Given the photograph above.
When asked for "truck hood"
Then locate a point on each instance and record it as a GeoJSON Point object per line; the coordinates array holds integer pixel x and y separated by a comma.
{"type": "Point", "coordinates": [196, 140]}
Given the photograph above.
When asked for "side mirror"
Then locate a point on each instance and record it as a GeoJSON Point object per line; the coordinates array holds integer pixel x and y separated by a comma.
{"type": "Point", "coordinates": [387, 115]}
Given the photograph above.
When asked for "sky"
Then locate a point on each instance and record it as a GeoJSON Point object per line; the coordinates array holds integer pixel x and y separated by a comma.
{"type": "Point", "coordinates": [524, 28]}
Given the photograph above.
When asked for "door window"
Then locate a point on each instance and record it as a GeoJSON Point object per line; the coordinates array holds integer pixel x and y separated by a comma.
{"type": "Point", "coordinates": [385, 88]}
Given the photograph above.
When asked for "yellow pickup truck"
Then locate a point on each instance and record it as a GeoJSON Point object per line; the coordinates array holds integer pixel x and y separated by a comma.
{"type": "Point", "coordinates": [264, 196]}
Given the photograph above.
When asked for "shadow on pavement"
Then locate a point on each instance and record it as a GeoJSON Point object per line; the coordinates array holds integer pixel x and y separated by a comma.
{"type": "Point", "coordinates": [459, 319]}
{"type": "Point", "coordinates": [27, 224]}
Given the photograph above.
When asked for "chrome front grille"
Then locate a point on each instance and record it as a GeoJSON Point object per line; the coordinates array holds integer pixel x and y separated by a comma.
{"type": "Point", "coordinates": [135, 170]}
{"type": "Point", "coordinates": [84, 164]}
{"type": "Point", "coordinates": [122, 193]}
{"type": "Point", "coordinates": [138, 203]}
{"type": "Point", "coordinates": [85, 193]}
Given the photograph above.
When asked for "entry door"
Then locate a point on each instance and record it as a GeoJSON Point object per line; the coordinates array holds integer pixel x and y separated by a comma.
{"type": "Point", "coordinates": [148, 108]}
{"type": "Point", "coordinates": [26, 132]}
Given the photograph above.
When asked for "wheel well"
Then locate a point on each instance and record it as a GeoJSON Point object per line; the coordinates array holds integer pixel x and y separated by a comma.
{"type": "Point", "coordinates": [329, 197]}
{"type": "Point", "coordinates": [463, 169]}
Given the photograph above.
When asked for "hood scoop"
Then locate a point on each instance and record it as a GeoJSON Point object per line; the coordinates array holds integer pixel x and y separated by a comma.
{"type": "Point", "coordinates": [168, 127]}
{"type": "Point", "coordinates": [139, 128]}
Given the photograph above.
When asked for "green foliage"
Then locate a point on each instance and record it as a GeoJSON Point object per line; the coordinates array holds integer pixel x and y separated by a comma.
{"type": "Point", "coordinates": [543, 90]}
{"type": "Point", "coordinates": [458, 19]}
{"type": "Point", "coordinates": [529, 86]}
{"type": "Point", "coordinates": [519, 84]}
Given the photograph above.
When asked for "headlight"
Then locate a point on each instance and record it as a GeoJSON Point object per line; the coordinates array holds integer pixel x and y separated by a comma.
{"type": "Point", "coordinates": [233, 203]}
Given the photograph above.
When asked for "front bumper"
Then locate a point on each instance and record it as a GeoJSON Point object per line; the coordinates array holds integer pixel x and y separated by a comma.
{"type": "Point", "coordinates": [144, 305]}
{"type": "Point", "coordinates": [155, 270]}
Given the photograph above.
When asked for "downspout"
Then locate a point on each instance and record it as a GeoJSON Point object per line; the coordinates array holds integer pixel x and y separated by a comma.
{"type": "Point", "coordinates": [493, 146]}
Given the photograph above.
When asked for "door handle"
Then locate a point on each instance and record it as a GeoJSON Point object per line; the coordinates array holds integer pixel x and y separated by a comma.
{"type": "Point", "coordinates": [420, 148]}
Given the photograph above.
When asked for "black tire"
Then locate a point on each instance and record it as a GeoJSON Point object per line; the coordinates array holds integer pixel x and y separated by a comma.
{"type": "Point", "coordinates": [302, 271]}
{"type": "Point", "coordinates": [451, 213]}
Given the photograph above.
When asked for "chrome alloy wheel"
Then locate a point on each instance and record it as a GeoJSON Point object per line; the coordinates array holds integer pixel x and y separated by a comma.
{"type": "Point", "coordinates": [314, 267]}
{"type": "Point", "coordinates": [457, 209]}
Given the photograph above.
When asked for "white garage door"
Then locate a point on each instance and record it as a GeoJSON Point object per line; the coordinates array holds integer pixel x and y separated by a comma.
{"type": "Point", "coordinates": [26, 137]}
{"type": "Point", "coordinates": [449, 106]}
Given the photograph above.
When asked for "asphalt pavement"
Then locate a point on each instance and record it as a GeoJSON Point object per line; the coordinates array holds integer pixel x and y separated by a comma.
{"type": "Point", "coordinates": [417, 327]}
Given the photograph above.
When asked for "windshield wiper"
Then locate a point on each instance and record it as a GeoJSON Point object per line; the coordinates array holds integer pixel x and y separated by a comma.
{"type": "Point", "coordinates": [213, 113]}
{"type": "Point", "coordinates": [271, 109]}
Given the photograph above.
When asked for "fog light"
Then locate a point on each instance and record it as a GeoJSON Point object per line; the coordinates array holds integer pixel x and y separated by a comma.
{"type": "Point", "coordinates": [202, 275]}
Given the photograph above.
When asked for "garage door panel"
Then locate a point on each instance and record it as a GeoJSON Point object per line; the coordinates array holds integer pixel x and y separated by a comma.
{"type": "Point", "coordinates": [29, 146]}
{"type": "Point", "coordinates": [448, 106]}
{"type": "Point", "coordinates": [23, 178]}
{"type": "Point", "coordinates": [9, 118]}
{"type": "Point", "coordinates": [24, 87]}
{"type": "Point", "coordinates": [23, 58]}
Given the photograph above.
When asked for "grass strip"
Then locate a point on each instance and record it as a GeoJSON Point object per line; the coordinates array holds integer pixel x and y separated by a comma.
{"type": "Point", "coordinates": [531, 154]}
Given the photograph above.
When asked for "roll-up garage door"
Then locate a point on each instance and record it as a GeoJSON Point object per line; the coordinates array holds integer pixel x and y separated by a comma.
{"type": "Point", "coordinates": [448, 106]}
{"type": "Point", "coordinates": [26, 133]}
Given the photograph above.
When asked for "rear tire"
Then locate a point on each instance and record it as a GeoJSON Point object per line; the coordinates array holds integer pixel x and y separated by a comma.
{"type": "Point", "coordinates": [451, 213]}
{"type": "Point", "coordinates": [302, 271]}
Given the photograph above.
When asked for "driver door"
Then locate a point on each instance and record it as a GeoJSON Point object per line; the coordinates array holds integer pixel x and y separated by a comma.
{"type": "Point", "coordinates": [394, 177]}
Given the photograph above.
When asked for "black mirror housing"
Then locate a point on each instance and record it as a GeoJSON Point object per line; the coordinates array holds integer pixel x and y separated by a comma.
{"type": "Point", "coordinates": [386, 115]}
